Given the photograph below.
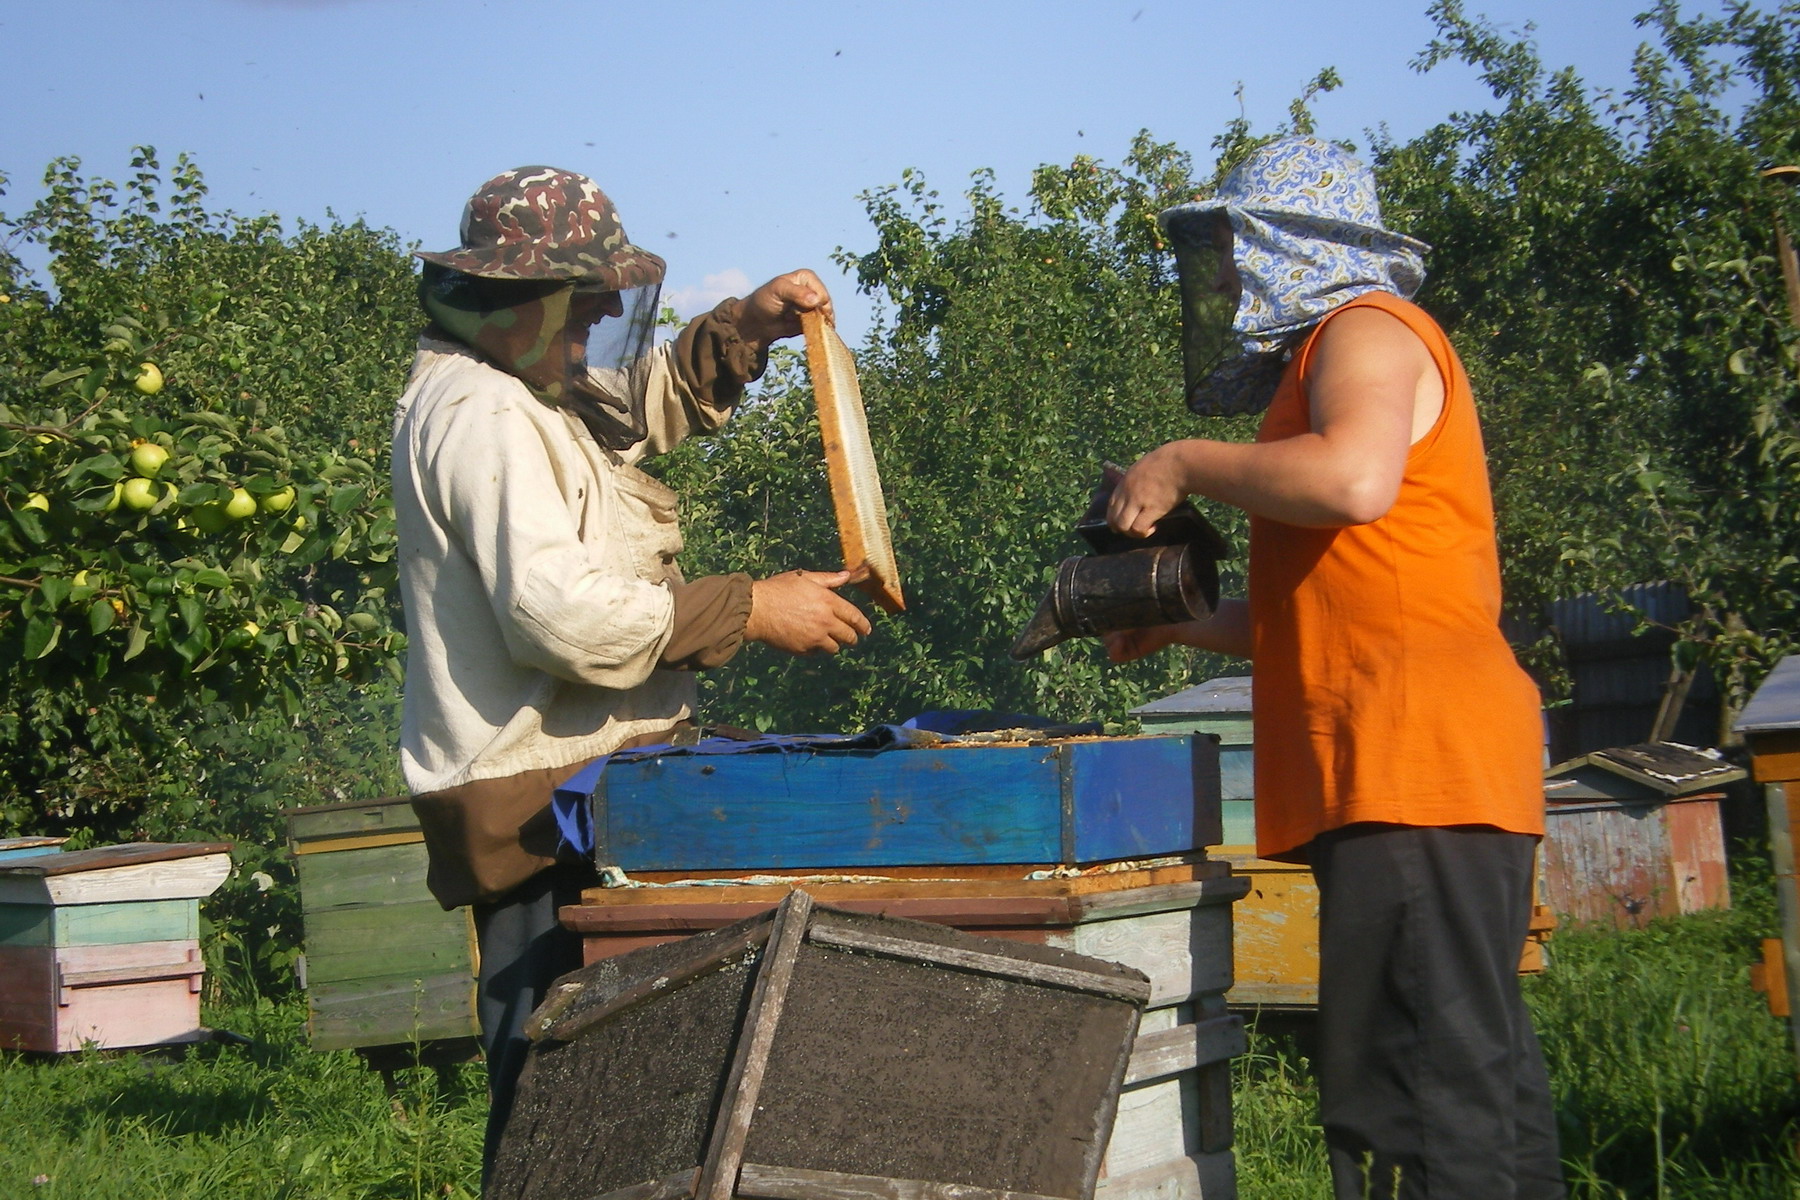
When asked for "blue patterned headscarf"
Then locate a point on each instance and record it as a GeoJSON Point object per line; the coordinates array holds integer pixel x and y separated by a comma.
{"type": "Point", "coordinates": [1307, 237]}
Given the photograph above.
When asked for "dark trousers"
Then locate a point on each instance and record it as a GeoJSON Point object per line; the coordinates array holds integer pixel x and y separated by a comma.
{"type": "Point", "coordinates": [1431, 1083]}
{"type": "Point", "coordinates": [523, 950]}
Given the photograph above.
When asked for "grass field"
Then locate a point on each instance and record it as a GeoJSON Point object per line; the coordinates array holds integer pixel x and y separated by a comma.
{"type": "Point", "coordinates": [1672, 1081]}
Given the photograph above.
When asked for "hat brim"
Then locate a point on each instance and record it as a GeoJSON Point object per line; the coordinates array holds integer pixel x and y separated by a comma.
{"type": "Point", "coordinates": [1179, 221]}
{"type": "Point", "coordinates": [618, 268]}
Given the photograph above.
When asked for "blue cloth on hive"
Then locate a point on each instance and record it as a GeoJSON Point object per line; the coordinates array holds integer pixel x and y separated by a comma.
{"type": "Point", "coordinates": [571, 804]}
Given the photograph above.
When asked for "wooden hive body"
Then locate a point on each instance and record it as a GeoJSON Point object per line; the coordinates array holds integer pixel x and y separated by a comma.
{"type": "Point", "coordinates": [1067, 800]}
{"type": "Point", "coordinates": [385, 964]}
{"type": "Point", "coordinates": [101, 947]}
{"type": "Point", "coordinates": [814, 1052]}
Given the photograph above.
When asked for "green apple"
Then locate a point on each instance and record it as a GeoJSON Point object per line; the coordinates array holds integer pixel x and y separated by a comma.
{"type": "Point", "coordinates": [139, 494]}
{"type": "Point", "coordinates": [278, 502]}
{"type": "Point", "coordinates": [210, 518]}
{"type": "Point", "coordinates": [241, 504]}
{"type": "Point", "coordinates": [147, 458]}
{"type": "Point", "coordinates": [149, 379]}
{"type": "Point", "coordinates": [113, 501]}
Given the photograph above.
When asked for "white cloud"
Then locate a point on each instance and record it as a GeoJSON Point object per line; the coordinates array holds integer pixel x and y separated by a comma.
{"type": "Point", "coordinates": [699, 298]}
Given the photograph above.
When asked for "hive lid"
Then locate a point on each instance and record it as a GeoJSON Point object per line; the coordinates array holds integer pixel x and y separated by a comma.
{"type": "Point", "coordinates": [1667, 768]}
{"type": "Point", "coordinates": [1226, 694]}
{"type": "Point", "coordinates": [110, 874]}
{"type": "Point", "coordinates": [1776, 705]}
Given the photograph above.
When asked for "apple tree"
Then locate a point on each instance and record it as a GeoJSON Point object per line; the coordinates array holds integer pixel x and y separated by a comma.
{"type": "Point", "coordinates": [1016, 352]}
{"type": "Point", "coordinates": [198, 616]}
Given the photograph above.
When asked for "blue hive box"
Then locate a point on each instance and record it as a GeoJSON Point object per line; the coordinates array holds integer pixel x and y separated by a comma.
{"type": "Point", "coordinates": [1062, 800]}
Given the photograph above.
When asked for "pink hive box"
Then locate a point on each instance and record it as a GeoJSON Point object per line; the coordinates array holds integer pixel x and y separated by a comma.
{"type": "Point", "coordinates": [101, 947]}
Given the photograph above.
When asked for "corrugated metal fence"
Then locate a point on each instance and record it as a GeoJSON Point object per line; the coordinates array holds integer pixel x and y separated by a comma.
{"type": "Point", "coordinates": [1620, 678]}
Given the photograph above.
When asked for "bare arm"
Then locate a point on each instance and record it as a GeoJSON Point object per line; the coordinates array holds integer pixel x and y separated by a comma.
{"type": "Point", "coordinates": [1227, 631]}
{"type": "Point", "coordinates": [1374, 390]}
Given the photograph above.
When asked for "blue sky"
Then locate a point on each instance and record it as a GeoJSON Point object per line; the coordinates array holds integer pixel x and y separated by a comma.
{"type": "Point", "coordinates": [734, 137]}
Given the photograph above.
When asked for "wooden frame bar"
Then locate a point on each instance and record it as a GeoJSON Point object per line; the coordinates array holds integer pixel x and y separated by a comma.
{"type": "Point", "coordinates": [985, 964]}
{"type": "Point", "coordinates": [795, 1183]}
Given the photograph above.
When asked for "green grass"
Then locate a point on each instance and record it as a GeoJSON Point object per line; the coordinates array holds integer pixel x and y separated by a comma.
{"type": "Point", "coordinates": [1672, 1082]}
{"type": "Point", "coordinates": [272, 1120]}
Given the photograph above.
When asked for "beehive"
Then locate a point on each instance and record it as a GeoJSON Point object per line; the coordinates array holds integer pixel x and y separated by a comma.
{"type": "Point", "coordinates": [813, 1051]}
{"type": "Point", "coordinates": [384, 965]}
{"type": "Point", "coordinates": [101, 947]}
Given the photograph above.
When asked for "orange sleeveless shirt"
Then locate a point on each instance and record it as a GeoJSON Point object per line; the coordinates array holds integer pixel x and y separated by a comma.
{"type": "Point", "coordinates": [1384, 690]}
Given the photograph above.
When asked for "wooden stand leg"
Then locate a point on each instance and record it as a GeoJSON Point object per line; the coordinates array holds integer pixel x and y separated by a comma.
{"type": "Point", "coordinates": [1784, 805]}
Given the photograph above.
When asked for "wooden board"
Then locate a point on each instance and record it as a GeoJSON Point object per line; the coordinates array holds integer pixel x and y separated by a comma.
{"type": "Point", "coordinates": [389, 1009]}
{"type": "Point", "coordinates": [978, 881]}
{"type": "Point", "coordinates": [109, 874]}
{"type": "Point", "coordinates": [1161, 1053]}
{"type": "Point", "coordinates": [1275, 942]}
{"type": "Point", "coordinates": [355, 818]}
{"type": "Point", "coordinates": [363, 876]}
{"type": "Point", "coordinates": [1178, 934]}
{"type": "Point", "coordinates": [387, 939]}
{"type": "Point", "coordinates": [1195, 1177]}
{"type": "Point", "coordinates": [1774, 757]}
{"type": "Point", "coordinates": [58, 1000]}
{"type": "Point", "coordinates": [98, 924]}
{"type": "Point", "coordinates": [1170, 1119]}
{"type": "Point", "coordinates": [26, 847]}
{"type": "Point", "coordinates": [1070, 801]}
{"type": "Point", "coordinates": [850, 462]}
{"type": "Point", "coordinates": [28, 998]}
{"type": "Point", "coordinates": [1186, 952]}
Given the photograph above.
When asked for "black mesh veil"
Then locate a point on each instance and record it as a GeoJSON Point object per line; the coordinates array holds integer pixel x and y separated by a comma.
{"type": "Point", "coordinates": [578, 347]}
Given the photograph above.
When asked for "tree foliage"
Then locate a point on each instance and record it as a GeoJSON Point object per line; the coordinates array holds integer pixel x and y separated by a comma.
{"type": "Point", "coordinates": [196, 545]}
{"type": "Point", "coordinates": [1021, 351]}
{"type": "Point", "coordinates": [1606, 265]}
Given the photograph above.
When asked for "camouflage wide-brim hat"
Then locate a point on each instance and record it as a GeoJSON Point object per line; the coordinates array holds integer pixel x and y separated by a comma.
{"type": "Point", "coordinates": [542, 223]}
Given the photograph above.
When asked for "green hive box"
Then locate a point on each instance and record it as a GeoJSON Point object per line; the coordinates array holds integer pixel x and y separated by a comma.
{"type": "Point", "coordinates": [384, 965]}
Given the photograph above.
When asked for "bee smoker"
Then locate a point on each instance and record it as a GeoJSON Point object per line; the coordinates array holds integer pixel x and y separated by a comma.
{"type": "Point", "coordinates": [1126, 582]}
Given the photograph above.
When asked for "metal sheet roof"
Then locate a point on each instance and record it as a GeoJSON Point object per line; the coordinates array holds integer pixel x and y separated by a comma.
{"type": "Point", "coordinates": [1226, 694]}
{"type": "Point", "coordinates": [1776, 705]}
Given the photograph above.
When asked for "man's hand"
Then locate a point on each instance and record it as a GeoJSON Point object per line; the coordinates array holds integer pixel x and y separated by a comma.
{"type": "Point", "coordinates": [773, 310]}
{"type": "Point", "coordinates": [801, 613]}
{"type": "Point", "coordinates": [1155, 484]}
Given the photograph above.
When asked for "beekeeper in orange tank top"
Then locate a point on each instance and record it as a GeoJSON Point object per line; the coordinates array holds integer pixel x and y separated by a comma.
{"type": "Point", "coordinates": [1399, 743]}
